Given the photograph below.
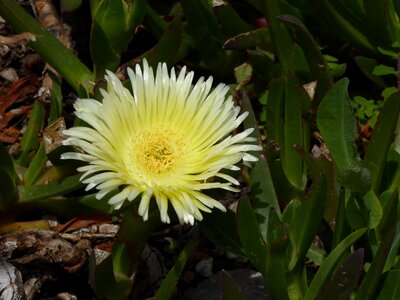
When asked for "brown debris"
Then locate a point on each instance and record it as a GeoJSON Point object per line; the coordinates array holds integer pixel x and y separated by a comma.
{"type": "Point", "coordinates": [19, 91]}
{"type": "Point", "coordinates": [43, 246]}
{"type": "Point", "coordinates": [48, 17]}
{"type": "Point", "coordinates": [18, 38]}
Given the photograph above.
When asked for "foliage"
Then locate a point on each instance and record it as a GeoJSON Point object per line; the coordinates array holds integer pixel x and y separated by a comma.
{"type": "Point", "coordinates": [313, 174]}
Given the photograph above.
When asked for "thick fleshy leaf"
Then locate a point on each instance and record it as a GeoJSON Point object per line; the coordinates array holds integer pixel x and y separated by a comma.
{"type": "Point", "coordinates": [337, 124]}
{"type": "Point", "coordinates": [36, 166]}
{"type": "Point", "coordinates": [391, 287]}
{"type": "Point", "coordinates": [43, 191]}
{"type": "Point", "coordinates": [367, 66]}
{"type": "Point", "coordinates": [275, 270]}
{"type": "Point", "coordinates": [219, 228]}
{"type": "Point", "coordinates": [379, 25]}
{"type": "Point", "coordinates": [311, 209]}
{"type": "Point", "coordinates": [294, 133]}
{"type": "Point", "coordinates": [113, 27]}
{"type": "Point", "coordinates": [381, 139]}
{"type": "Point", "coordinates": [203, 27]}
{"type": "Point", "coordinates": [30, 139]}
{"type": "Point", "coordinates": [167, 47]}
{"type": "Point", "coordinates": [249, 40]}
{"type": "Point", "coordinates": [123, 264]}
{"type": "Point", "coordinates": [8, 191]}
{"type": "Point", "coordinates": [329, 265]}
{"type": "Point", "coordinates": [169, 283]}
{"type": "Point", "coordinates": [56, 99]}
{"type": "Point", "coordinates": [344, 281]}
{"type": "Point", "coordinates": [316, 61]}
{"type": "Point", "coordinates": [372, 278]}
{"type": "Point", "coordinates": [349, 30]}
{"type": "Point", "coordinates": [7, 164]}
{"type": "Point", "coordinates": [254, 245]}
{"type": "Point", "coordinates": [374, 208]}
{"type": "Point", "coordinates": [263, 194]}
{"type": "Point", "coordinates": [229, 288]}
{"type": "Point", "coordinates": [230, 21]}
{"type": "Point", "coordinates": [281, 38]}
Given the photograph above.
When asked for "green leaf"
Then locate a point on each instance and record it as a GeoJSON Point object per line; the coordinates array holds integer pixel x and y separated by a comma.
{"type": "Point", "coordinates": [381, 140]}
{"type": "Point", "coordinates": [169, 283]}
{"type": "Point", "coordinates": [367, 66]}
{"type": "Point", "coordinates": [391, 287]}
{"type": "Point", "coordinates": [337, 124]}
{"type": "Point", "coordinates": [230, 21]}
{"type": "Point", "coordinates": [275, 272]}
{"type": "Point", "coordinates": [372, 278]}
{"type": "Point", "coordinates": [7, 164]}
{"type": "Point", "coordinates": [230, 289]}
{"type": "Point", "coordinates": [381, 70]}
{"type": "Point", "coordinates": [293, 133]}
{"type": "Point", "coordinates": [219, 228]}
{"type": "Point", "coordinates": [329, 265]}
{"type": "Point", "coordinates": [47, 45]}
{"type": "Point", "coordinates": [311, 209]}
{"type": "Point", "coordinates": [316, 61]}
{"type": "Point", "coordinates": [123, 269]}
{"type": "Point", "coordinates": [56, 99]}
{"type": "Point", "coordinates": [30, 139]}
{"type": "Point", "coordinates": [253, 243]}
{"type": "Point", "coordinates": [263, 193]}
{"type": "Point", "coordinates": [281, 38]}
{"type": "Point", "coordinates": [203, 27]}
{"type": "Point", "coordinates": [374, 208]}
{"type": "Point", "coordinates": [379, 24]}
{"type": "Point", "coordinates": [275, 105]}
{"type": "Point", "coordinates": [344, 281]}
{"type": "Point", "coordinates": [133, 234]}
{"type": "Point", "coordinates": [168, 46]}
{"type": "Point", "coordinates": [70, 5]}
{"type": "Point", "coordinates": [8, 191]}
{"type": "Point", "coordinates": [263, 65]}
{"type": "Point", "coordinates": [43, 191]}
{"type": "Point", "coordinates": [249, 40]}
{"type": "Point", "coordinates": [347, 28]}
{"type": "Point", "coordinates": [36, 166]}
{"type": "Point", "coordinates": [113, 27]}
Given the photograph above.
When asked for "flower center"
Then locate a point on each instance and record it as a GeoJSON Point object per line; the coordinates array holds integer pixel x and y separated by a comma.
{"type": "Point", "coordinates": [158, 151]}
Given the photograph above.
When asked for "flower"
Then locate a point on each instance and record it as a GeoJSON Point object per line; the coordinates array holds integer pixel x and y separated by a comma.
{"type": "Point", "coordinates": [164, 141]}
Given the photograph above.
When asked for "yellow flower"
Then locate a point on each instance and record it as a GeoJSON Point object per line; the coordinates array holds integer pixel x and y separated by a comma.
{"type": "Point", "coordinates": [165, 141]}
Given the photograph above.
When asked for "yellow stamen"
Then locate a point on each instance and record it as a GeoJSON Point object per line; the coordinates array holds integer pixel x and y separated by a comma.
{"type": "Point", "coordinates": [158, 151]}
